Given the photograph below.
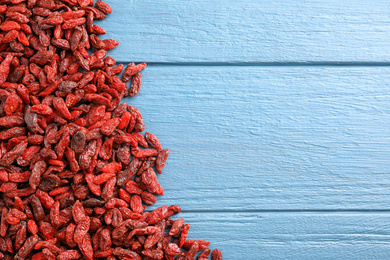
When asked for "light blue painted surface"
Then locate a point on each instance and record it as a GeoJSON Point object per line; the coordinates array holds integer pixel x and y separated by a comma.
{"type": "Point", "coordinates": [271, 138]}
{"type": "Point", "coordinates": [250, 30]}
{"type": "Point", "coordinates": [294, 235]}
{"type": "Point", "coordinates": [268, 162]}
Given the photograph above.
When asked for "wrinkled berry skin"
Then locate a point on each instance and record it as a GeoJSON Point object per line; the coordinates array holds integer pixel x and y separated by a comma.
{"type": "Point", "coordinates": [76, 171]}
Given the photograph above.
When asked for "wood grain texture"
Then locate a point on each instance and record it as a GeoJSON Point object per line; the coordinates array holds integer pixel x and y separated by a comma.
{"type": "Point", "coordinates": [268, 162]}
{"type": "Point", "coordinates": [250, 31]}
{"type": "Point", "coordinates": [294, 236]}
{"type": "Point", "coordinates": [271, 138]}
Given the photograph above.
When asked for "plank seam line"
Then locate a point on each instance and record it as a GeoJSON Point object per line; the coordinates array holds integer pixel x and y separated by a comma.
{"type": "Point", "coordinates": [269, 64]}
{"type": "Point", "coordinates": [289, 211]}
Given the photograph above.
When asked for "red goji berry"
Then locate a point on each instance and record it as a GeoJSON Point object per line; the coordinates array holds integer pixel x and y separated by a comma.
{"type": "Point", "coordinates": [73, 169]}
{"type": "Point", "coordinates": [216, 254]}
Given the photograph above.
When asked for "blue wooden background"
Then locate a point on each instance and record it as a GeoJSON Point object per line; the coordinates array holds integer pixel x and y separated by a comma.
{"type": "Point", "coordinates": [277, 117]}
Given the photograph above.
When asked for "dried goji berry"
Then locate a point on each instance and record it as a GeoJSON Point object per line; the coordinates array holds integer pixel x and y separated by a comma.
{"type": "Point", "coordinates": [216, 254]}
{"type": "Point", "coordinates": [102, 6]}
{"type": "Point", "coordinates": [161, 159]}
{"type": "Point", "coordinates": [131, 70]}
{"type": "Point", "coordinates": [81, 230]}
{"type": "Point", "coordinates": [204, 255]}
{"type": "Point", "coordinates": [74, 172]}
{"type": "Point", "coordinates": [202, 244]}
{"type": "Point", "coordinates": [177, 225]}
{"type": "Point", "coordinates": [27, 248]}
{"type": "Point", "coordinates": [10, 25]}
{"type": "Point", "coordinates": [135, 85]}
{"type": "Point", "coordinates": [32, 227]}
{"type": "Point", "coordinates": [183, 235]}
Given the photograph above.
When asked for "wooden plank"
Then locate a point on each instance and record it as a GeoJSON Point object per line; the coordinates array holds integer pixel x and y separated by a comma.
{"type": "Point", "coordinates": [264, 138]}
{"type": "Point", "coordinates": [250, 31]}
{"type": "Point", "coordinates": [294, 236]}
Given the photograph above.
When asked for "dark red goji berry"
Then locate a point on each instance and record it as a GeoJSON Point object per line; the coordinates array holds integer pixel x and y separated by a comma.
{"type": "Point", "coordinates": [66, 140]}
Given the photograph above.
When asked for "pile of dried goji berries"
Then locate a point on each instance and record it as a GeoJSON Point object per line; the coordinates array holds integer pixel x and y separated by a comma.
{"type": "Point", "coordinates": [76, 173]}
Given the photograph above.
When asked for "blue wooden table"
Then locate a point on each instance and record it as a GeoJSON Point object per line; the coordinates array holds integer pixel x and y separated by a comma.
{"type": "Point", "coordinates": [277, 117]}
